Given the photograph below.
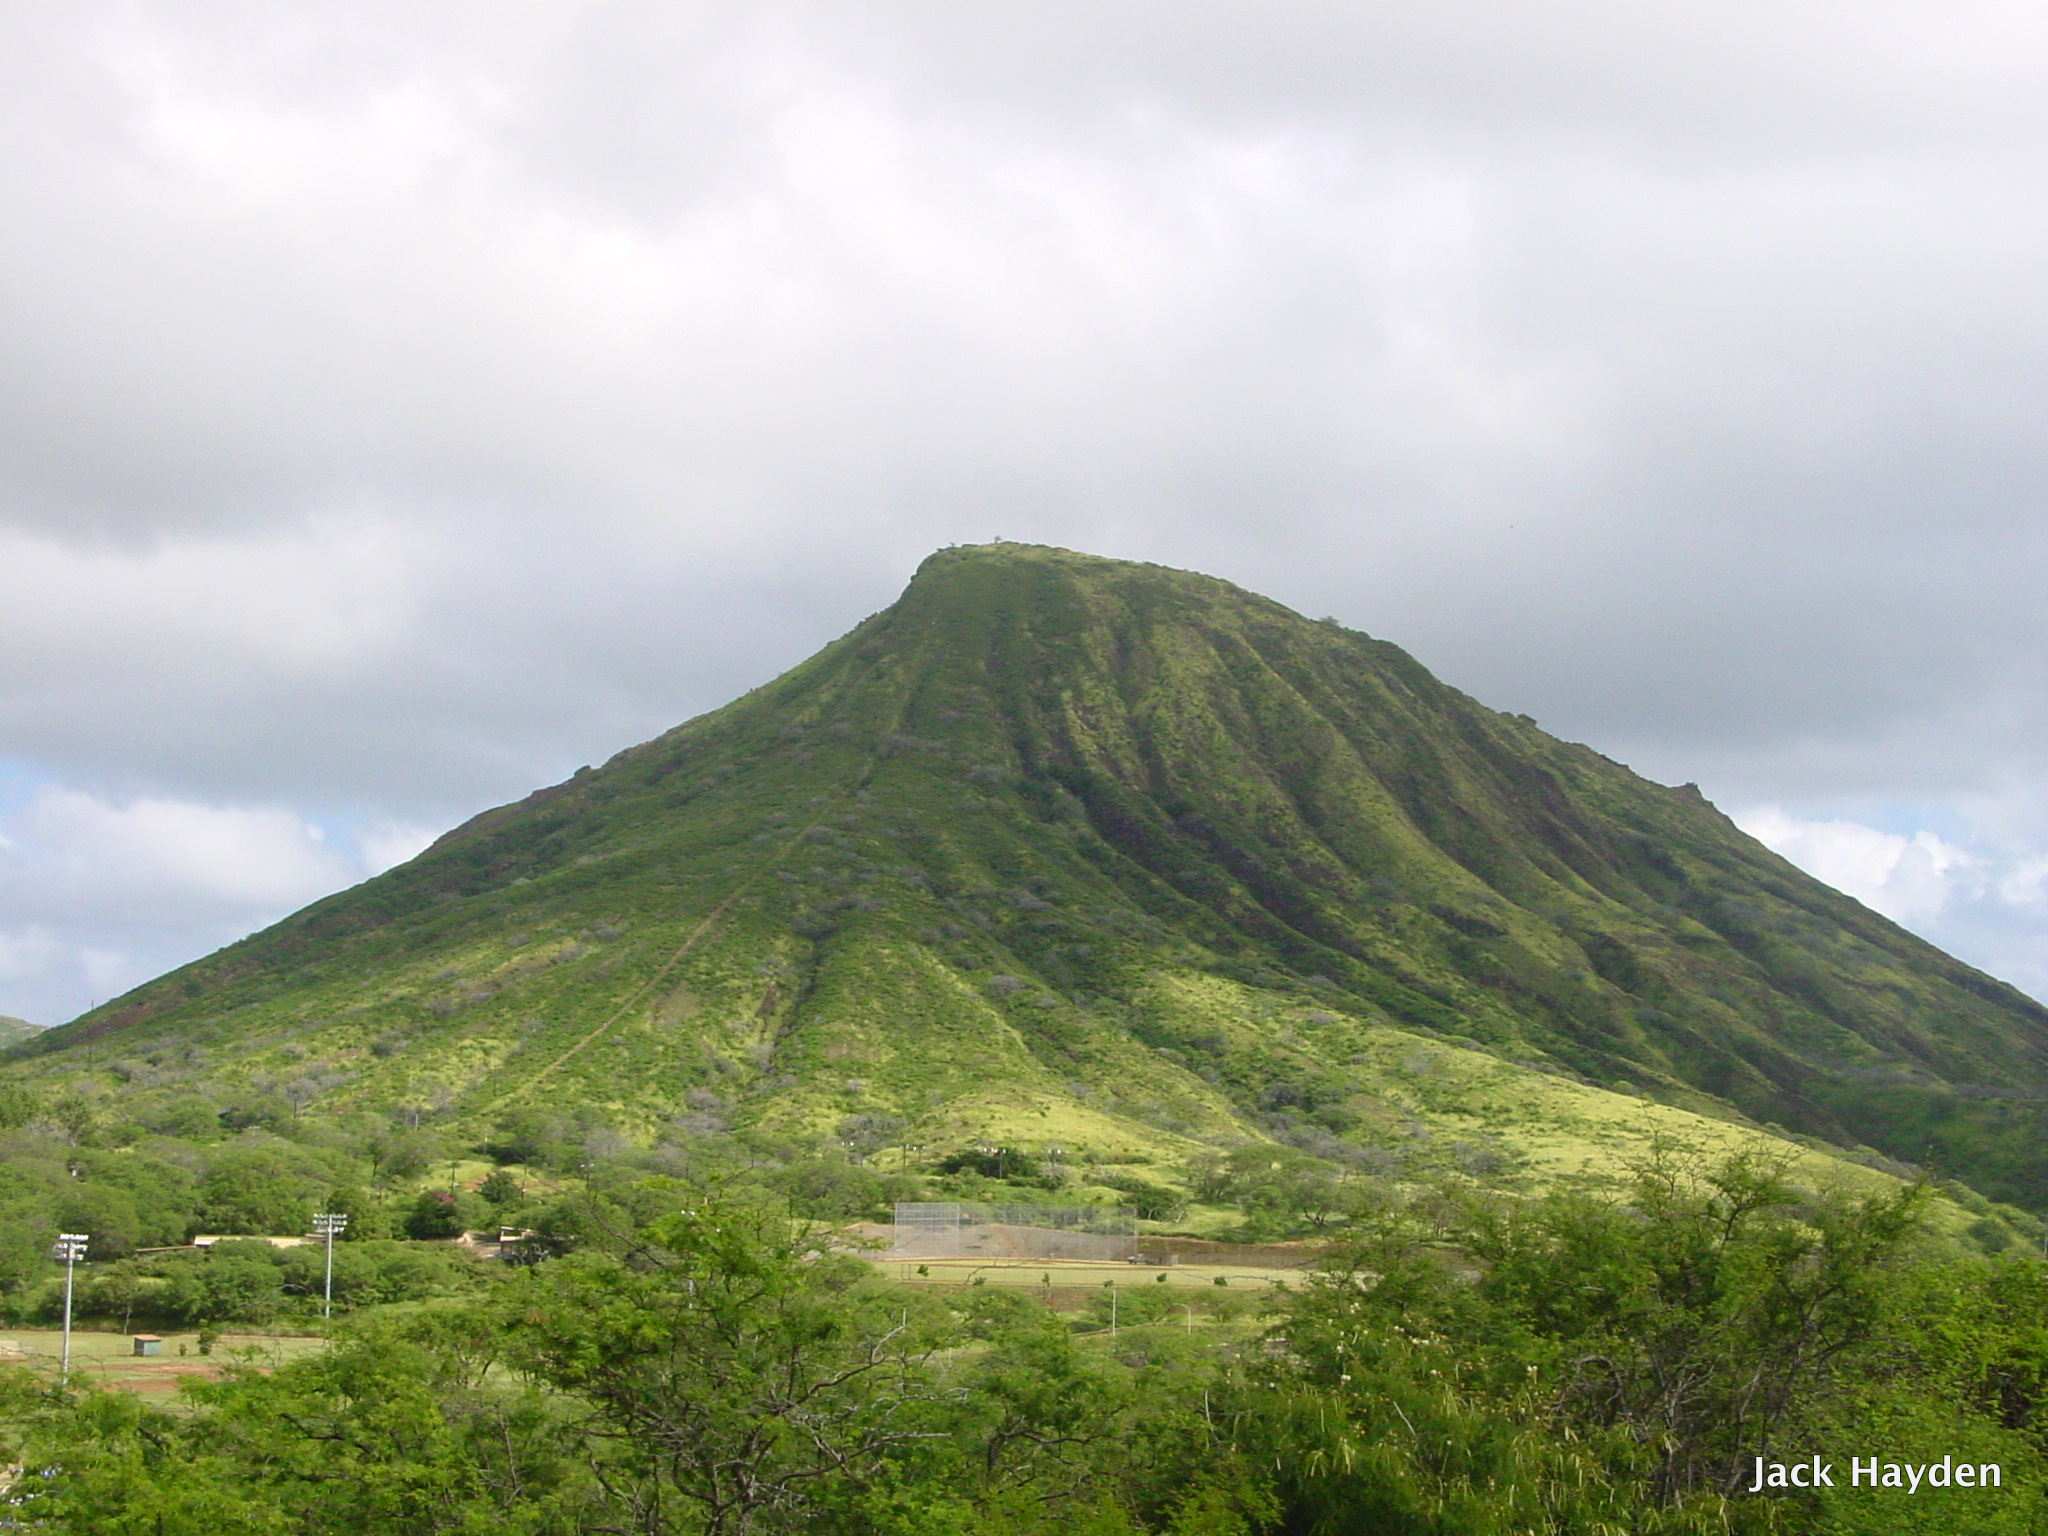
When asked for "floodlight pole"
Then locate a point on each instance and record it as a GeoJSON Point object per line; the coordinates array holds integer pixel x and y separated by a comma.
{"type": "Point", "coordinates": [68, 1250]}
{"type": "Point", "coordinates": [327, 1224]}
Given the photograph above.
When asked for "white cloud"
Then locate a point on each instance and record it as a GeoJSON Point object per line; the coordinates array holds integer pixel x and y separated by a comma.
{"type": "Point", "coordinates": [330, 594]}
{"type": "Point", "coordinates": [1907, 878]}
{"type": "Point", "coordinates": [2026, 883]}
{"type": "Point", "coordinates": [97, 895]}
{"type": "Point", "coordinates": [26, 951]}
{"type": "Point", "coordinates": [389, 844]}
{"type": "Point", "coordinates": [47, 975]}
{"type": "Point", "coordinates": [103, 854]}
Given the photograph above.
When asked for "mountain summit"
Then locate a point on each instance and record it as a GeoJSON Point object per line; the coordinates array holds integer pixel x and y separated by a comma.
{"type": "Point", "coordinates": [1081, 850]}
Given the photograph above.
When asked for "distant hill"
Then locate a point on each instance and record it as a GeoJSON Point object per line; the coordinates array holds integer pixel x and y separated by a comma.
{"type": "Point", "coordinates": [13, 1030]}
{"type": "Point", "coordinates": [1079, 852]}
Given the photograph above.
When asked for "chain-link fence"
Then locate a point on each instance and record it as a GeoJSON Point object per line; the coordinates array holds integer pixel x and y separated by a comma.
{"type": "Point", "coordinates": [964, 1229]}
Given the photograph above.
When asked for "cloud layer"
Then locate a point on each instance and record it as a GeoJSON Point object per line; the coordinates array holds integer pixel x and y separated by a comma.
{"type": "Point", "coordinates": [401, 407]}
{"type": "Point", "coordinates": [101, 895]}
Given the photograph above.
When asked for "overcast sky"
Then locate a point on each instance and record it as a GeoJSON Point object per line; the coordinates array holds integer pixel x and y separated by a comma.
{"type": "Point", "coordinates": [403, 404]}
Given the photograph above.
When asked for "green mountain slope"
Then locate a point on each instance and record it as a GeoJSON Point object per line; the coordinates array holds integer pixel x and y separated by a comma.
{"type": "Point", "coordinates": [13, 1030]}
{"type": "Point", "coordinates": [1073, 850]}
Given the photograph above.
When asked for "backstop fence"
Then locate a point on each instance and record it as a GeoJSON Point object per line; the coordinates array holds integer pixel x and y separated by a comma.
{"type": "Point", "coordinates": [964, 1229]}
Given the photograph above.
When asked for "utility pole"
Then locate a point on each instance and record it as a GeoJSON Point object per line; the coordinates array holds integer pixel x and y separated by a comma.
{"type": "Point", "coordinates": [68, 1250]}
{"type": "Point", "coordinates": [329, 1224]}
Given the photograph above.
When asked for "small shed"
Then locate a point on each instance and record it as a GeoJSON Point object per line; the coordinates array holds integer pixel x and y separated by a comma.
{"type": "Point", "coordinates": [148, 1344]}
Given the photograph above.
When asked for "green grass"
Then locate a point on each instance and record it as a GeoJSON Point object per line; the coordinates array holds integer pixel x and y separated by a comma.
{"type": "Point", "coordinates": [108, 1359]}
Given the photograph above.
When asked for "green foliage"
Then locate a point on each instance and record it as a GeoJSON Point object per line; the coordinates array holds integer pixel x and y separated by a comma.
{"type": "Point", "coordinates": [500, 1188]}
{"type": "Point", "coordinates": [1682, 1330]}
{"type": "Point", "coordinates": [1618, 1365]}
{"type": "Point", "coordinates": [188, 1117]}
{"type": "Point", "coordinates": [25, 1237]}
{"type": "Point", "coordinates": [826, 1189]}
{"type": "Point", "coordinates": [386, 1434]}
{"type": "Point", "coordinates": [396, 1155]}
{"type": "Point", "coordinates": [267, 1187]}
{"type": "Point", "coordinates": [532, 1136]}
{"type": "Point", "coordinates": [368, 1217]}
{"type": "Point", "coordinates": [265, 1112]}
{"type": "Point", "coordinates": [589, 1221]}
{"type": "Point", "coordinates": [1126, 1306]}
{"type": "Point", "coordinates": [1282, 1191]}
{"type": "Point", "coordinates": [1060, 870]}
{"type": "Point", "coordinates": [249, 1283]}
{"type": "Point", "coordinates": [106, 1214]}
{"type": "Point", "coordinates": [1569, 1366]}
{"type": "Point", "coordinates": [435, 1214]}
{"type": "Point", "coordinates": [160, 1192]}
{"type": "Point", "coordinates": [993, 1163]}
{"type": "Point", "coordinates": [18, 1106]}
{"type": "Point", "coordinates": [730, 1369]}
{"type": "Point", "coordinates": [1152, 1200]}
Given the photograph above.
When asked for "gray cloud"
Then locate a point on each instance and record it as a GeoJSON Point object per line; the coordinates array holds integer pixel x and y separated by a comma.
{"type": "Point", "coordinates": [401, 407]}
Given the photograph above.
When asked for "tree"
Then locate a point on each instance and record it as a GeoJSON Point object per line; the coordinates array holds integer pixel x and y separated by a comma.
{"type": "Point", "coordinates": [392, 1432]}
{"type": "Point", "coordinates": [825, 1189]}
{"type": "Point", "coordinates": [263, 1111]}
{"type": "Point", "coordinates": [530, 1136]}
{"type": "Point", "coordinates": [368, 1217]}
{"type": "Point", "coordinates": [500, 1189]}
{"type": "Point", "coordinates": [731, 1366]}
{"type": "Point", "coordinates": [115, 1292]}
{"type": "Point", "coordinates": [18, 1106]}
{"type": "Point", "coordinates": [262, 1189]}
{"type": "Point", "coordinates": [73, 1116]}
{"type": "Point", "coordinates": [105, 1214]}
{"type": "Point", "coordinates": [434, 1216]}
{"type": "Point", "coordinates": [1702, 1314]}
{"type": "Point", "coordinates": [1037, 1408]}
{"type": "Point", "coordinates": [398, 1155]}
{"type": "Point", "coordinates": [238, 1282]}
{"type": "Point", "coordinates": [1655, 1343]}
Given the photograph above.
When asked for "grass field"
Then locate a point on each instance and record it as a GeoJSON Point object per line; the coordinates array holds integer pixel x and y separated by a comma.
{"type": "Point", "coordinates": [109, 1359]}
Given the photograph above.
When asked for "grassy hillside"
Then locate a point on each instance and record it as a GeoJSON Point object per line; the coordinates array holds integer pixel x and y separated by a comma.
{"type": "Point", "coordinates": [13, 1030]}
{"type": "Point", "coordinates": [1072, 852]}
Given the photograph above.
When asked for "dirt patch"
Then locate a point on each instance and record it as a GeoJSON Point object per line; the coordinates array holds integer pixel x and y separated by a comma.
{"type": "Point", "coordinates": [1201, 1250]}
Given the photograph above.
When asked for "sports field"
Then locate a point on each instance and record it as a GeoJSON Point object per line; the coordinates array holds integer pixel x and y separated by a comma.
{"type": "Point", "coordinates": [109, 1359]}
{"type": "Point", "coordinates": [1082, 1274]}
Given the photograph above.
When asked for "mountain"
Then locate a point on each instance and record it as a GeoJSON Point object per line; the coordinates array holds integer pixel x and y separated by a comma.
{"type": "Point", "coordinates": [13, 1030]}
{"type": "Point", "coordinates": [1059, 849]}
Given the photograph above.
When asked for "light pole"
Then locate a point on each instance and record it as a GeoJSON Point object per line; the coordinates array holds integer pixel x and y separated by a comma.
{"type": "Point", "coordinates": [329, 1224]}
{"type": "Point", "coordinates": [68, 1250]}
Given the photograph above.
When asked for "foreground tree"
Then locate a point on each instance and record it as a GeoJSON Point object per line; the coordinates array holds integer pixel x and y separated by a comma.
{"type": "Point", "coordinates": [727, 1368]}
{"type": "Point", "coordinates": [1576, 1361]}
{"type": "Point", "coordinates": [389, 1433]}
{"type": "Point", "coordinates": [1705, 1313]}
